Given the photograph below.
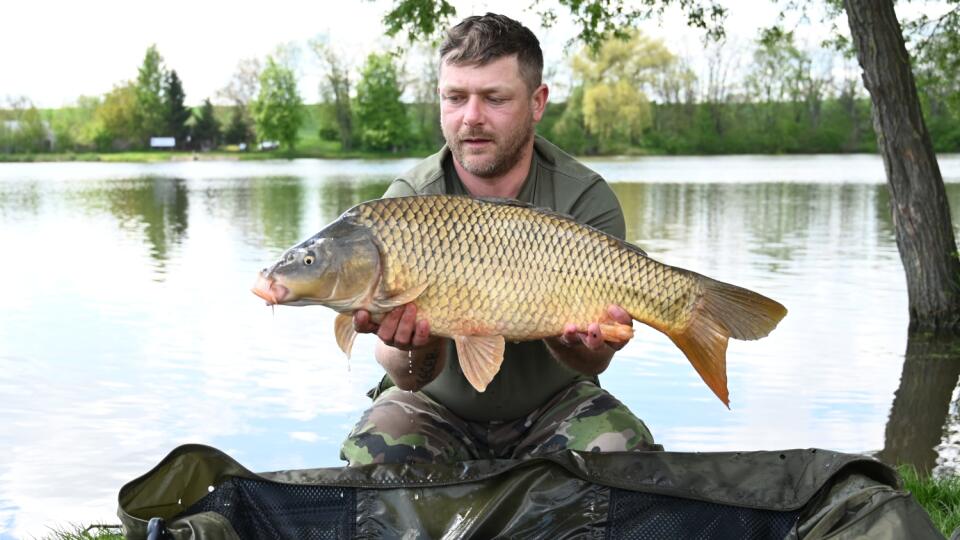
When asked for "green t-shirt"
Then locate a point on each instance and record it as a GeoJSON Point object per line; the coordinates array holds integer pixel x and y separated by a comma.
{"type": "Point", "coordinates": [529, 375]}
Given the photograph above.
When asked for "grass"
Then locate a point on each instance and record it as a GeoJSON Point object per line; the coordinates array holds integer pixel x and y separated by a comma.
{"type": "Point", "coordinates": [90, 532]}
{"type": "Point", "coordinates": [940, 497]}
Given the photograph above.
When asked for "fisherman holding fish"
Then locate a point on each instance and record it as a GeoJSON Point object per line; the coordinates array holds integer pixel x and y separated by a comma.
{"type": "Point", "coordinates": [546, 396]}
{"type": "Point", "coordinates": [497, 277]}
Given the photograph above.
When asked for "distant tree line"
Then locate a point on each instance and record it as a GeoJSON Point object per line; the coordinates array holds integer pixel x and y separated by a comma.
{"type": "Point", "coordinates": [627, 96]}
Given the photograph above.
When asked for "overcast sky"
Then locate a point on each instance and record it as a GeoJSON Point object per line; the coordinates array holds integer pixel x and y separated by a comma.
{"type": "Point", "coordinates": [55, 50]}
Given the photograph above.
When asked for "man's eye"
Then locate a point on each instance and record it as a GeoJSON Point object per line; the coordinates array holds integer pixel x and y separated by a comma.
{"type": "Point", "coordinates": [496, 100]}
{"type": "Point", "coordinates": [453, 99]}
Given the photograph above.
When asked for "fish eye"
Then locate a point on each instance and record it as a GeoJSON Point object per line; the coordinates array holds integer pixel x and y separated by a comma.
{"type": "Point", "coordinates": [308, 260]}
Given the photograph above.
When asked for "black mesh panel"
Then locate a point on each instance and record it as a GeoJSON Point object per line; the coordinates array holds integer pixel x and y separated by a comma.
{"type": "Point", "coordinates": [640, 516]}
{"type": "Point", "coordinates": [260, 509]}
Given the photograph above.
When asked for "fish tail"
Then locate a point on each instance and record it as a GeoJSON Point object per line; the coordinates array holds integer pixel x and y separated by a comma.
{"type": "Point", "coordinates": [721, 312]}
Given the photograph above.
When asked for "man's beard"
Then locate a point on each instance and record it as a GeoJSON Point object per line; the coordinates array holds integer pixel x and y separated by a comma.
{"type": "Point", "coordinates": [507, 151]}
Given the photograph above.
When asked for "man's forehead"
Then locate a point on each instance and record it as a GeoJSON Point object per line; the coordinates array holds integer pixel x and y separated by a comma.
{"type": "Point", "coordinates": [503, 72]}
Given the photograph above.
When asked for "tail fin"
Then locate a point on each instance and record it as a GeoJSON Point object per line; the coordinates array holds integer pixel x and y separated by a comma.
{"type": "Point", "coordinates": [722, 312]}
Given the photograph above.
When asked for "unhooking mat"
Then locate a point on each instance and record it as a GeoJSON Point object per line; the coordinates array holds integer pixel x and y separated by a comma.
{"type": "Point", "coordinates": [200, 492]}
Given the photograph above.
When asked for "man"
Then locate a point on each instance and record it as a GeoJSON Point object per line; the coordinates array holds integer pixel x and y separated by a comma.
{"type": "Point", "coordinates": [546, 396]}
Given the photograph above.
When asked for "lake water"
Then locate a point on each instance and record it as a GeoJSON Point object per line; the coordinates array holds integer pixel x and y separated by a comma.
{"type": "Point", "coordinates": [128, 327]}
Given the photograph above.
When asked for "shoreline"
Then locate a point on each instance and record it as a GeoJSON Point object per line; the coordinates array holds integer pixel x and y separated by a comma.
{"type": "Point", "coordinates": [179, 156]}
{"type": "Point", "coordinates": [221, 155]}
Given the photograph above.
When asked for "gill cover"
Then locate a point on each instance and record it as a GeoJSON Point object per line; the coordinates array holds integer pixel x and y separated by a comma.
{"type": "Point", "coordinates": [338, 267]}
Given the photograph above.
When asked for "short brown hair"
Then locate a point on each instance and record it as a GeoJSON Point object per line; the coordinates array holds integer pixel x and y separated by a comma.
{"type": "Point", "coordinates": [480, 40]}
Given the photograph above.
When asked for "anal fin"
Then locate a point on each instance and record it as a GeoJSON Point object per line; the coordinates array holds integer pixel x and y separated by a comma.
{"type": "Point", "coordinates": [343, 329]}
{"type": "Point", "coordinates": [480, 358]}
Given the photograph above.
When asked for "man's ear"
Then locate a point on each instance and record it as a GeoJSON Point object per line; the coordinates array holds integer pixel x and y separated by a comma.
{"type": "Point", "coordinates": [538, 102]}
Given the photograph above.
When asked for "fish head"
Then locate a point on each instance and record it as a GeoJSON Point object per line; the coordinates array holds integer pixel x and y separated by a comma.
{"type": "Point", "coordinates": [338, 267]}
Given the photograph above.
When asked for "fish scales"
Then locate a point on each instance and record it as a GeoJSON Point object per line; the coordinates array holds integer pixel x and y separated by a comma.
{"type": "Point", "coordinates": [502, 269]}
{"type": "Point", "coordinates": [483, 271]}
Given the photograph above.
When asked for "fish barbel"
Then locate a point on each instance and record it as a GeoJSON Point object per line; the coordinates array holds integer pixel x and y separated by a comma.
{"type": "Point", "coordinates": [484, 271]}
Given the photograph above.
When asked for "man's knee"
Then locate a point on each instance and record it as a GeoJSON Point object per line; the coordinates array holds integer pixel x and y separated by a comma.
{"type": "Point", "coordinates": [613, 430]}
{"type": "Point", "coordinates": [400, 427]}
{"type": "Point", "coordinates": [595, 421]}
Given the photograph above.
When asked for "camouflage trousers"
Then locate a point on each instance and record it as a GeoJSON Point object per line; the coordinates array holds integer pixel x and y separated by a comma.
{"type": "Point", "coordinates": [409, 427]}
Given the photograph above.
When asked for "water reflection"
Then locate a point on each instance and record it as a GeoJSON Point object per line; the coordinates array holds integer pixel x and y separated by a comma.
{"type": "Point", "coordinates": [277, 206]}
{"type": "Point", "coordinates": [340, 193]}
{"type": "Point", "coordinates": [22, 198]}
{"type": "Point", "coordinates": [157, 208]}
{"type": "Point", "coordinates": [193, 357]}
{"type": "Point", "coordinates": [918, 417]}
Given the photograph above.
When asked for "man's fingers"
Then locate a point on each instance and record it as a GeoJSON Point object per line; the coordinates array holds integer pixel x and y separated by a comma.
{"type": "Point", "coordinates": [570, 336]}
{"type": "Point", "coordinates": [362, 322]}
{"type": "Point", "coordinates": [405, 327]}
{"type": "Point", "coordinates": [619, 314]}
{"type": "Point", "coordinates": [592, 338]}
{"type": "Point", "coordinates": [388, 326]}
{"type": "Point", "coordinates": [422, 334]}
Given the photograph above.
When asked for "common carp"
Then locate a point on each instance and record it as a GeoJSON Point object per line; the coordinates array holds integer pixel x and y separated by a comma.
{"type": "Point", "coordinates": [482, 271]}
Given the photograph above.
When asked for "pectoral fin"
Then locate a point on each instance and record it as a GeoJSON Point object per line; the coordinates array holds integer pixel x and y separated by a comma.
{"type": "Point", "coordinates": [405, 297]}
{"type": "Point", "coordinates": [343, 328]}
{"type": "Point", "coordinates": [480, 358]}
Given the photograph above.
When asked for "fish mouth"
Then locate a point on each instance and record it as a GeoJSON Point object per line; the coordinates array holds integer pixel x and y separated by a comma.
{"type": "Point", "coordinates": [268, 289]}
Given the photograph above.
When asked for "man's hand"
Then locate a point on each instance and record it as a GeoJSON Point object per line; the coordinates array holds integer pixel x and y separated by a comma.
{"type": "Point", "coordinates": [407, 351]}
{"type": "Point", "coordinates": [399, 329]}
{"type": "Point", "coordinates": [592, 338]}
{"type": "Point", "coordinates": [587, 352]}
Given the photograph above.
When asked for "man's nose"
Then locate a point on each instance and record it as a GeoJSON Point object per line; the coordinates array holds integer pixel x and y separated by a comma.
{"type": "Point", "coordinates": [473, 111]}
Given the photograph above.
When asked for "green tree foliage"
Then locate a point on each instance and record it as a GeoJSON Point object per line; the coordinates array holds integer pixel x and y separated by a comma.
{"type": "Point", "coordinates": [616, 112]}
{"type": "Point", "coordinates": [278, 109]}
{"type": "Point", "coordinates": [151, 113]}
{"type": "Point", "coordinates": [116, 119]}
{"type": "Point", "coordinates": [596, 20]}
{"type": "Point", "coordinates": [937, 69]}
{"type": "Point", "coordinates": [239, 130]}
{"type": "Point", "coordinates": [176, 113]}
{"type": "Point", "coordinates": [570, 130]}
{"type": "Point", "coordinates": [242, 89]}
{"type": "Point", "coordinates": [74, 128]}
{"type": "Point", "coordinates": [22, 128]}
{"type": "Point", "coordinates": [206, 128]}
{"type": "Point", "coordinates": [381, 116]}
{"type": "Point", "coordinates": [335, 90]}
{"type": "Point", "coordinates": [425, 111]}
{"type": "Point", "coordinates": [613, 103]}
{"type": "Point", "coordinates": [419, 18]}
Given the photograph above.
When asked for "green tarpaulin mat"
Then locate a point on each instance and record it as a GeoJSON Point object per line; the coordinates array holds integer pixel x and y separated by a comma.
{"type": "Point", "coordinates": [200, 492]}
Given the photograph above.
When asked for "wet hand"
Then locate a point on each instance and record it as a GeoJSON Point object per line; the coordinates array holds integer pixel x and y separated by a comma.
{"type": "Point", "coordinates": [399, 329]}
{"type": "Point", "coordinates": [593, 338]}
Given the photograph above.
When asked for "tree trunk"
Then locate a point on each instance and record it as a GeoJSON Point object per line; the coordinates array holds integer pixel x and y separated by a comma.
{"type": "Point", "coordinates": [921, 213]}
